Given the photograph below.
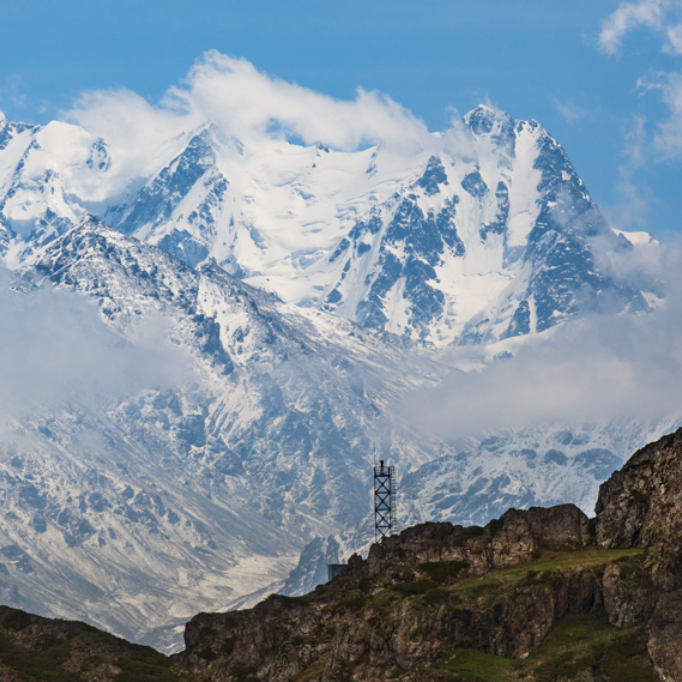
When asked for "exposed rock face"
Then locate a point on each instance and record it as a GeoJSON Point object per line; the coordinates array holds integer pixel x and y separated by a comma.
{"type": "Point", "coordinates": [665, 643]}
{"type": "Point", "coordinates": [393, 611]}
{"type": "Point", "coordinates": [515, 538]}
{"type": "Point", "coordinates": [438, 588]}
{"type": "Point", "coordinates": [641, 506]}
{"type": "Point", "coordinates": [559, 528]}
{"type": "Point", "coordinates": [629, 593]}
{"type": "Point", "coordinates": [35, 648]}
{"type": "Point", "coordinates": [509, 545]}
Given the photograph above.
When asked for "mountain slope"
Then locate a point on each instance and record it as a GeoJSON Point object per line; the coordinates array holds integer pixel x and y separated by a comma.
{"type": "Point", "coordinates": [536, 595]}
{"type": "Point", "coordinates": [130, 513]}
{"type": "Point", "coordinates": [201, 491]}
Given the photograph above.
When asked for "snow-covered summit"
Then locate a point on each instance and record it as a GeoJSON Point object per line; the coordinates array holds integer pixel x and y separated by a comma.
{"type": "Point", "coordinates": [483, 233]}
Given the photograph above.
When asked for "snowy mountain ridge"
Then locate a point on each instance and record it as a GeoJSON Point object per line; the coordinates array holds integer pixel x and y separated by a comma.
{"type": "Point", "coordinates": [133, 513]}
{"type": "Point", "coordinates": [485, 233]}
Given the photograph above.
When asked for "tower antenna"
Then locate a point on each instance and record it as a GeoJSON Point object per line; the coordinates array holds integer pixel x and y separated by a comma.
{"type": "Point", "coordinates": [385, 518]}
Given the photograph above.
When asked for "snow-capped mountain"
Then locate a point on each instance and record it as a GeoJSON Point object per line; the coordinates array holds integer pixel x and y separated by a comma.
{"type": "Point", "coordinates": [485, 232]}
{"type": "Point", "coordinates": [298, 284]}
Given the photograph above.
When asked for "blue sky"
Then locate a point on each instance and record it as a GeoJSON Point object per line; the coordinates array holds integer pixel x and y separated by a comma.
{"type": "Point", "coordinates": [599, 74]}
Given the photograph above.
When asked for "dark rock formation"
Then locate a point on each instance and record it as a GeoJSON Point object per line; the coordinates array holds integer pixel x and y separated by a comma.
{"type": "Point", "coordinates": [563, 527]}
{"type": "Point", "coordinates": [414, 599]}
{"type": "Point", "coordinates": [42, 649]}
{"type": "Point", "coordinates": [641, 506]}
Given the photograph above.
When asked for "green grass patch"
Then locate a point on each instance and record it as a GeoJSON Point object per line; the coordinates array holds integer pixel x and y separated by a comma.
{"type": "Point", "coordinates": [436, 597]}
{"type": "Point", "coordinates": [480, 592]}
{"type": "Point", "coordinates": [471, 665]}
{"type": "Point", "coordinates": [38, 665]}
{"type": "Point", "coordinates": [353, 602]}
{"type": "Point", "coordinates": [581, 647]}
{"type": "Point", "coordinates": [589, 643]}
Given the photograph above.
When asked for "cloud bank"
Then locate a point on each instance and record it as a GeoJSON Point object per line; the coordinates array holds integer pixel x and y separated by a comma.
{"type": "Point", "coordinates": [662, 16]}
{"type": "Point", "coordinates": [245, 103]}
{"type": "Point", "coordinates": [55, 350]}
{"type": "Point", "coordinates": [593, 370]}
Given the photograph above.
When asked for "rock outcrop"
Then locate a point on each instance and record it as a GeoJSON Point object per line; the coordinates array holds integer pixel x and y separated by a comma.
{"type": "Point", "coordinates": [641, 506]}
{"type": "Point", "coordinates": [417, 597]}
{"type": "Point", "coordinates": [43, 649]}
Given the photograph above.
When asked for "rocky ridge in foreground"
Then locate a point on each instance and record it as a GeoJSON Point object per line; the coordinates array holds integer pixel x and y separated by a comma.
{"type": "Point", "coordinates": [542, 595]}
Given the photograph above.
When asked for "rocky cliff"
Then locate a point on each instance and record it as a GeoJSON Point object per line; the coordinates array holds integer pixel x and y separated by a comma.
{"type": "Point", "coordinates": [543, 595]}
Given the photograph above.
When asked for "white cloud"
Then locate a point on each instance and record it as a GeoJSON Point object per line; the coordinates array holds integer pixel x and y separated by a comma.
{"type": "Point", "coordinates": [659, 15]}
{"type": "Point", "coordinates": [13, 92]}
{"type": "Point", "coordinates": [602, 368]}
{"type": "Point", "coordinates": [669, 137]}
{"type": "Point", "coordinates": [572, 111]}
{"type": "Point", "coordinates": [668, 140]}
{"type": "Point", "coordinates": [55, 349]}
{"type": "Point", "coordinates": [674, 44]}
{"type": "Point", "coordinates": [245, 102]}
{"type": "Point", "coordinates": [635, 197]}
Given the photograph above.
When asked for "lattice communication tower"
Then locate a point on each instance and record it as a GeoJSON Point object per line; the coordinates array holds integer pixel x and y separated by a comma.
{"type": "Point", "coordinates": [385, 513]}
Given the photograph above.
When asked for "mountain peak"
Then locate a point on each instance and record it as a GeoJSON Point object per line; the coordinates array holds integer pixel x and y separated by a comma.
{"type": "Point", "coordinates": [482, 119]}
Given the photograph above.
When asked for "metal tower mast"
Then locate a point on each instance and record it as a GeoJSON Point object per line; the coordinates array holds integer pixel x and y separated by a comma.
{"type": "Point", "coordinates": [385, 518]}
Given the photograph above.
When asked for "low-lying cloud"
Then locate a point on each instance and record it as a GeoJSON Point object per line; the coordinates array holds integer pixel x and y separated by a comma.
{"type": "Point", "coordinates": [56, 350]}
{"type": "Point", "coordinates": [594, 370]}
